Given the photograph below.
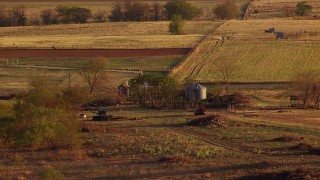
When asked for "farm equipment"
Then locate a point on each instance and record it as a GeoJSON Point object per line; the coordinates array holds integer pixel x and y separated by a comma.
{"type": "Point", "coordinates": [270, 30]}
{"type": "Point", "coordinates": [101, 116]}
{"type": "Point", "coordinates": [200, 111]}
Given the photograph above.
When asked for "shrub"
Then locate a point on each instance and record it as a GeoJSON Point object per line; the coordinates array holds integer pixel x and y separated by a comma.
{"type": "Point", "coordinates": [302, 8]}
{"type": "Point", "coordinates": [176, 25]}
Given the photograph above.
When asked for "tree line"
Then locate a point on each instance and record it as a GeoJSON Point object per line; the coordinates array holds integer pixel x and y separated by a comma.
{"type": "Point", "coordinates": [128, 10]}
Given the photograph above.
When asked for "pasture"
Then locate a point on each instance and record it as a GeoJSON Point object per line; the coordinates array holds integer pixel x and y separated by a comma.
{"type": "Point", "coordinates": [259, 56]}
{"type": "Point", "coordinates": [160, 145]}
{"type": "Point", "coordinates": [128, 35]}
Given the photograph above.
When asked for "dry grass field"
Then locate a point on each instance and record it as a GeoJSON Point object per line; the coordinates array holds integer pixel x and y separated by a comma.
{"type": "Point", "coordinates": [105, 35]}
{"type": "Point", "coordinates": [262, 9]}
{"type": "Point", "coordinates": [259, 56]}
{"type": "Point", "coordinates": [160, 145]}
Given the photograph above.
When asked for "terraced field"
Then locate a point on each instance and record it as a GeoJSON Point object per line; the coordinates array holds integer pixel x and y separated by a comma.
{"type": "Point", "coordinates": [258, 55]}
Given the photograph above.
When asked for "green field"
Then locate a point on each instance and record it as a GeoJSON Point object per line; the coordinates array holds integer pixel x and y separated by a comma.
{"type": "Point", "coordinates": [131, 35]}
{"type": "Point", "coordinates": [258, 55]}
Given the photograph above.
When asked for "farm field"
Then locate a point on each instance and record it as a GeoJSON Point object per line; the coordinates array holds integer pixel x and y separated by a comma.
{"type": "Point", "coordinates": [264, 9]}
{"type": "Point", "coordinates": [128, 35]}
{"type": "Point", "coordinates": [16, 79]}
{"type": "Point", "coordinates": [259, 56]}
{"type": "Point", "coordinates": [160, 145]}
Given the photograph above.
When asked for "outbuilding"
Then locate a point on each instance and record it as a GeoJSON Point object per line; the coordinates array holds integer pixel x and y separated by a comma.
{"type": "Point", "coordinates": [195, 91]}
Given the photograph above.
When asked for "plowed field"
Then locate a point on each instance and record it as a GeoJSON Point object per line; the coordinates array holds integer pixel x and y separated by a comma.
{"type": "Point", "coordinates": [38, 53]}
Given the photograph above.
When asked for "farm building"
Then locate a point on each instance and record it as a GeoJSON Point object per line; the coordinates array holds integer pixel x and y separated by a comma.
{"type": "Point", "coordinates": [195, 91]}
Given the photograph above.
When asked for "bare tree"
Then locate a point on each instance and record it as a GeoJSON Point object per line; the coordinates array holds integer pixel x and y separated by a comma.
{"type": "Point", "coordinates": [157, 11]}
{"type": "Point", "coordinates": [19, 16]}
{"type": "Point", "coordinates": [100, 16]}
{"type": "Point", "coordinates": [227, 69]}
{"type": "Point", "coordinates": [308, 86]}
{"type": "Point", "coordinates": [92, 71]}
{"type": "Point", "coordinates": [48, 16]}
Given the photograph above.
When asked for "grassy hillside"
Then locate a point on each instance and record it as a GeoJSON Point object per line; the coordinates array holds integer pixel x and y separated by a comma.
{"type": "Point", "coordinates": [105, 35]}
{"type": "Point", "coordinates": [258, 55]}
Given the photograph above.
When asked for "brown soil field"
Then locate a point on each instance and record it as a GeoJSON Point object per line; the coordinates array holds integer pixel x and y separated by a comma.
{"type": "Point", "coordinates": [38, 53]}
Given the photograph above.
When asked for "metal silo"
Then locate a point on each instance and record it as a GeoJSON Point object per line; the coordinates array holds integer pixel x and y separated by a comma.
{"type": "Point", "coordinates": [195, 91]}
{"type": "Point", "coordinates": [199, 92]}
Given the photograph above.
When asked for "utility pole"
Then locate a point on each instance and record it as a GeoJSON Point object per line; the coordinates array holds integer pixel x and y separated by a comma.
{"type": "Point", "coordinates": [69, 74]}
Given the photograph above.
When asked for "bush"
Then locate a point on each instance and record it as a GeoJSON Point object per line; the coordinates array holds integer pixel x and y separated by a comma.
{"type": "Point", "coordinates": [176, 25]}
{"type": "Point", "coordinates": [302, 8]}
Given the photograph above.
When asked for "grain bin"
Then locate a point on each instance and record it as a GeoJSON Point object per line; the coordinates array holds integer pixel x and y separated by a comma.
{"type": "Point", "coordinates": [195, 91]}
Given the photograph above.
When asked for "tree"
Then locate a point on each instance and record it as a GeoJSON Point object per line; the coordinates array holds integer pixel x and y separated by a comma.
{"type": "Point", "coordinates": [302, 8]}
{"type": "Point", "coordinates": [5, 19]}
{"type": "Point", "coordinates": [42, 119]}
{"type": "Point", "coordinates": [307, 85]}
{"type": "Point", "coordinates": [117, 13]}
{"type": "Point", "coordinates": [92, 71]}
{"type": "Point", "coordinates": [74, 98]}
{"type": "Point", "coordinates": [157, 89]}
{"type": "Point", "coordinates": [73, 14]}
{"type": "Point", "coordinates": [176, 25]}
{"type": "Point", "coordinates": [182, 8]}
{"type": "Point", "coordinates": [157, 11]}
{"type": "Point", "coordinates": [63, 14]}
{"type": "Point", "coordinates": [48, 17]}
{"type": "Point", "coordinates": [19, 16]}
{"type": "Point", "coordinates": [79, 15]}
{"type": "Point", "coordinates": [227, 10]}
{"type": "Point", "coordinates": [227, 69]}
{"type": "Point", "coordinates": [100, 16]}
{"type": "Point", "coordinates": [140, 11]}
